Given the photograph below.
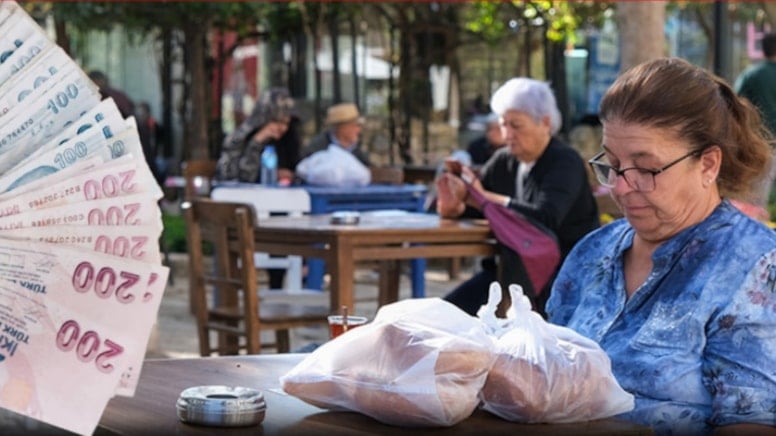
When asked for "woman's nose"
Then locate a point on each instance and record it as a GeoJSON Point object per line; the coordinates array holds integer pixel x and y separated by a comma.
{"type": "Point", "coordinates": [621, 186]}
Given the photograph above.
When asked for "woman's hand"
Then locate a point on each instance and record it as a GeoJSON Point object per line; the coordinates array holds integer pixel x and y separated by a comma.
{"type": "Point", "coordinates": [470, 177]}
{"type": "Point", "coordinates": [272, 131]}
{"type": "Point", "coordinates": [451, 193]}
{"type": "Point", "coordinates": [285, 176]}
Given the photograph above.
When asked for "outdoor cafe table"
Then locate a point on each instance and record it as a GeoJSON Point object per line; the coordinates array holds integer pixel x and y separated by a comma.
{"type": "Point", "coordinates": [378, 236]}
{"type": "Point", "coordinates": [325, 199]}
{"type": "Point", "coordinates": [152, 410]}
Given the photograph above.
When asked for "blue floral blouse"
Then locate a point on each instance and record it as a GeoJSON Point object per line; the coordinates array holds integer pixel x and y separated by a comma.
{"type": "Point", "coordinates": [696, 343]}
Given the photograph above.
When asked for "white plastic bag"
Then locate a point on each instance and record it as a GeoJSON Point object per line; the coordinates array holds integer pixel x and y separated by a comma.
{"type": "Point", "coordinates": [544, 372]}
{"type": "Point", "coordinates": [334, 166]}
{"type": "Point", "coordinates": [421, 362]}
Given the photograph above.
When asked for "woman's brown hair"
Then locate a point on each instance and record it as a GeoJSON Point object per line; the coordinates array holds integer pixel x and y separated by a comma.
{"type": "Point", "coordinates": [703, 110]}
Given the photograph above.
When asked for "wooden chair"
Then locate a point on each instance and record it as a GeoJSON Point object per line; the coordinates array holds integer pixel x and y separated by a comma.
{"type": "Point", "coordinates": [198, 178]}
{"type": "Point", "coordinates": [225, 295]}
{"type": "Point", "coordinates": [267, 201]}
{"type": "Point", "coordinates": [387, 175]}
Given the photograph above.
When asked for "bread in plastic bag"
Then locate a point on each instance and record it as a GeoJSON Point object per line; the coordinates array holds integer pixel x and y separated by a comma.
{"type": "Point", "coordinates": [546, 373]}
{"type": "Point", "coordinates": [334, 166]}
{"type": "Point", "coordinates": [420, 363]}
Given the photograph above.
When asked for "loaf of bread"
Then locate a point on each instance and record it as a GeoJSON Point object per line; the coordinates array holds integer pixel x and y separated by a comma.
{"type": "Point", "coordinates": [552, 379]}
{"type": "Point", "coordinates": [398, 373]}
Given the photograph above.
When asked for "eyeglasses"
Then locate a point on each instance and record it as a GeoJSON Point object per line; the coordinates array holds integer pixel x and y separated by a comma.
{"type": "Point", "coordinates": [640, 179]}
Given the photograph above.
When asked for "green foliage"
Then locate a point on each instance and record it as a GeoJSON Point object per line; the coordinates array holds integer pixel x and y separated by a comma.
{"type": "Point", "coordinates": [174, 236]}
{"type": "Point", "coordinates": [490, 20]}
{"type": "Point", "coordinates": [481, 19]}
{"type": "Point", "coordinates": [144, 17]}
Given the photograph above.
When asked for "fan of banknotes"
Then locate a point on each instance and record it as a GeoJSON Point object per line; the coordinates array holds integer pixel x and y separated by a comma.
{"type": "Point", "coordinates": [80, 271]}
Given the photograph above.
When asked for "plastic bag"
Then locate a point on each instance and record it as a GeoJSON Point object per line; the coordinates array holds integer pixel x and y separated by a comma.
{"type": "Point", "coordinates": [544, 372]}
{"type": "Point", "coordinates": [334, 166]}
{"type": "Point", "coordinates": [421, 362]}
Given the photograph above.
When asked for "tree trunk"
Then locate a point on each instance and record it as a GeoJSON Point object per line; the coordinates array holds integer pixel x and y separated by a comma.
{"type": "Point", "coordinates": [354, 62]}
{"type": "Point", "coordinates": [770, 12]}
{"type": "Point", "coordinates": [167, 105]}
{"type": "Point", "coordinates": [63, 40]}
{"type": "Point", "coordinates": [335, 71]}
{"type": "Point", "coordinates": [641, 26]}
{"type": "Point", "coordinates": [196, 124]}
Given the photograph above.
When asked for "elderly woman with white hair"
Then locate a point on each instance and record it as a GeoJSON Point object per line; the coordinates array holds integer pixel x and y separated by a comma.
{"type": "Point", "coordinates": [535, 174]}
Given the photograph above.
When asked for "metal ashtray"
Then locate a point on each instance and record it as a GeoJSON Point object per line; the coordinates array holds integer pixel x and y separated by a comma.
{"type": "Point", "coordinates": [221, 406]}
{"type": "Point", "coordinates": [343, 217]}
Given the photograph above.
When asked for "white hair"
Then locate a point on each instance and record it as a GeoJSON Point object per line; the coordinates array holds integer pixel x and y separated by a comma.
{"type": "Point", "coordinates": [530, 96]}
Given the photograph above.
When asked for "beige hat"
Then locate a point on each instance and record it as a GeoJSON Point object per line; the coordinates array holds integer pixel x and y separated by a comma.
{"type": "Point", "coordinates": [343, 113]}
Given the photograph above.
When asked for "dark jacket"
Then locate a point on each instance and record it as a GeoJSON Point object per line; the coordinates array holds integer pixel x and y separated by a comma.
{"type": "Point", "coordinates": [557, 192]}
{"type": "Point", "coordinates": [241, 154]}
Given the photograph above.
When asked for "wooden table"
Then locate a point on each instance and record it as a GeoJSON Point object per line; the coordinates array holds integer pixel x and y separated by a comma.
{"type": "Point", "coordinates": [152, 410]}
{"type": "Point", "coordinates": [324, 200]}
{"type": "Point", "coordinates": [388, 237]}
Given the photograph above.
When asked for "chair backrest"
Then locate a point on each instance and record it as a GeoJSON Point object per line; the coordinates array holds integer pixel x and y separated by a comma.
{"type": "Point", "coordinates": [387, 175]}
{"type": "Point", "coordinates": [198, 178]}
{"type": "Point", "coordinates": [266, 200]}
{"type": "Point", "coordinates": [225, 294]}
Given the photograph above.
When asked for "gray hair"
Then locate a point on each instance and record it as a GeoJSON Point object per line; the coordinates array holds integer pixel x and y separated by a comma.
{"type": "Point", "coordinates": [531, 96]}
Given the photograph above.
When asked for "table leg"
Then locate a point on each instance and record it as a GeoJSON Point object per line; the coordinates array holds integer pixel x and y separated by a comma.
{"type": "Point", "coordinates": [389, 282]}
{"type": "Point", "coordinates": [341, 270]}
{"type": "Point", "coordinates": [418, 267]}
{"type": "Point", "coordinates": [315, 271]}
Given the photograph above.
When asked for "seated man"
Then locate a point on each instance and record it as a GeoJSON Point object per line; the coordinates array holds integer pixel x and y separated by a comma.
{"type": "Point", "coordinates": [344, 124]}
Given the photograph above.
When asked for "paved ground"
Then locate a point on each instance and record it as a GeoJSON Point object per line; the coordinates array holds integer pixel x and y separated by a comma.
{"type": "Point", "coordinates": [176, 334]}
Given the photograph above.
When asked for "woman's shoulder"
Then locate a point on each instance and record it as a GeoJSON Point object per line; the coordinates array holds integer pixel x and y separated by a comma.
{"type": "Point", "coordinates": [559, 149]}
{"type": "Point", "coordinates": [610, 237]}
{"type": "Point", "coordinates": [730, 222]}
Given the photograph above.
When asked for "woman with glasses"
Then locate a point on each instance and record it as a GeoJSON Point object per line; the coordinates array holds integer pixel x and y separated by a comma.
{"type": "Point", "coordinates": [681, 293]}
{"type": "Point", "coordinates": [535, 174]}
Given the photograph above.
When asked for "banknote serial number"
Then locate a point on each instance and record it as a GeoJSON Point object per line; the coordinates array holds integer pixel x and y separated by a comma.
{"type": "Point", "coordinates": [42, 201]}
{"type": "Point", "coordinates": [88, 346]}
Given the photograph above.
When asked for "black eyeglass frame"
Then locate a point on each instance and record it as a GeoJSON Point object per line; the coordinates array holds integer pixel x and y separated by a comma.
{"type": "Point", "coordinates": [594, 163]}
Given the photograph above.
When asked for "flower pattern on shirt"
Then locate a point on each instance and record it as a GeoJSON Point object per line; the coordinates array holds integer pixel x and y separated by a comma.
{"type": "Point", "coordinates": [696, 342]}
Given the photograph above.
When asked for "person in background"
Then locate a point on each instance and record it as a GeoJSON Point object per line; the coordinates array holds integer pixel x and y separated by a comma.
{"type": "Point", "coordinates": [343, 128]}
{"type": "Point", "coordinates": [482, 148]}
{"type": "Point", "coordinates": [535, 174]}
{"type": "Point", "coordinates": [147, 129]}
{"type": "Point", "coordinates": [271, 122]}
{"type": "Point", "coordinates": [758, 84]}
{"type": "Point", "coordinates": [679, 293]}
{"type": "Point", "coordinates": [123, 102]}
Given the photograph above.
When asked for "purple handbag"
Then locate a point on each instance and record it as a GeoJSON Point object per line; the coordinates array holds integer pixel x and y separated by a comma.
{"type": "Point", "coordinates": [537, 248]}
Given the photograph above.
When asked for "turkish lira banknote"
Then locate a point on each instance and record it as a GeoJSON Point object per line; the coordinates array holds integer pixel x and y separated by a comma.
{"type": "Point", "coordinates": [81, 277]}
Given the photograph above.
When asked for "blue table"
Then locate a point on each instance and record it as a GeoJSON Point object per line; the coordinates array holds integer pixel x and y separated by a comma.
{"type": "Point", "coordinates": [372, 197]}
{"type": "Point", "coordinates": [365, 198]}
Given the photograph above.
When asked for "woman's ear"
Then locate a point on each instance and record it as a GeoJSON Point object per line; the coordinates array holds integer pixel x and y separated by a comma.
{"type": "Point", "coordinates": [711, 160]}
